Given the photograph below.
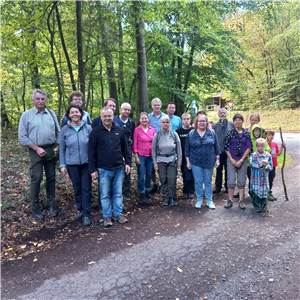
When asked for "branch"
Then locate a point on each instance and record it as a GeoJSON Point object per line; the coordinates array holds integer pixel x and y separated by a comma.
{"type": "Point", "coordinates": [283, 165]}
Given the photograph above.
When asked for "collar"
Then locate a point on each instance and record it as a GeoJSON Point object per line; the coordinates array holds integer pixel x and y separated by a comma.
{"type": "Point", "coordinates": [36, 111]}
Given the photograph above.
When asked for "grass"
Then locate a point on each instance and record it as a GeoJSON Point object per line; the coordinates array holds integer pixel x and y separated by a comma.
{"type": "Point", "coordinates": [287, 119]}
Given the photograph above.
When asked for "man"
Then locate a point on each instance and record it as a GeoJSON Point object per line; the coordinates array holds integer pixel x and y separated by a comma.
{"type": "Point", "coordinates": [187, 175]}
{"type": "Point", "coordinates": [108, 103]}
{"type": "Point", "coordinates": [39, 130]}
{"type": "Point", "coordinates": [175, 120]}
{"type": "Point", "coordinates": [76, 98]}
{"type": "Point", "coordinates": [221, 128]}
{"type": "Point", "coordinates": [128, 125]}
{"type": "Point", "coordinates": [156, 114]}
{"type": "Point", "coordinates": [108, 149]}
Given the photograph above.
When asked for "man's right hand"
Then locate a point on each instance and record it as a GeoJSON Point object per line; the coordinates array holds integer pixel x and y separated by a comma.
{"type": "Point", "coordinates": [94, 175]}
{"type": "Point", "coordinates": [40, 152]}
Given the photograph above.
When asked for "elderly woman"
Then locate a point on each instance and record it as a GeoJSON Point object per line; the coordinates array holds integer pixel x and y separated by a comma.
{"type": "Point", "coordinates": [237, 147]}
{"type": "Point", "coordinates": [202, 154]}
{"type": "Point", "coordinates": [73, 156]}
{"type": "Point", "coordinates": [167, 156]}
{"type": "Point", "coordinates": [142, 149]}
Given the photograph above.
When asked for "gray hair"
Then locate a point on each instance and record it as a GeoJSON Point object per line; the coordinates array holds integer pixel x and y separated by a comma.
{"type": "Point", "coordinates": [38, 91]}
{"type": "Point", "coordinates": [164, 117]}
{"type": "Point", "coordinates": [125, 104]}
{"type": "Point", "coordinates": [156, 100]}
{"type": "Point", "coordinates": [106, 109]}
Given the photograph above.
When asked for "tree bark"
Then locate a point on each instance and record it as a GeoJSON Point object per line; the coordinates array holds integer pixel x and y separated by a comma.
{"type": "Point", "coordinates": [4, 117]}
{"type": "Point", "coordinates": [189, 69]}
{"type": "Point", "coordinates": [63, 43]}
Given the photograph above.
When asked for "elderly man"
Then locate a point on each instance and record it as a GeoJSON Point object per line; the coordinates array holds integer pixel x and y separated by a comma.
{"type": "Point", "coordinates": [156, 114]}
{"type": "Point", "coordinates": [221, 128]}
{"type": "Point", "coordinates": [76, 98]}
{"type": "Point", "coordinates": [108, 103]}
{"type": "Point", "coordinates": [108, 150]}
{"type": "Point", "coordinates": [175, 120]}
{"type": "Point", "coordinates": [38, 131]}
{"type": "Point", "coordinates": [128, 125]}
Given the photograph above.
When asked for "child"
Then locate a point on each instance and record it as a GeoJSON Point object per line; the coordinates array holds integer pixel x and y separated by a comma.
{"type": "Point", "coordinates": [274, 152]}
{"type": "Point", "coordinates": [261, 164]}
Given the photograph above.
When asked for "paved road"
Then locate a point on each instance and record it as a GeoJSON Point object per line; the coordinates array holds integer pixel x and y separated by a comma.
{"type": "Point", "coordinates": [179, 253]}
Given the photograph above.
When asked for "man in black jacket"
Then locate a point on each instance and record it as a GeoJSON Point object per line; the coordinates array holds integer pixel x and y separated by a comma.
{"type": "Point", "coordinates": [108, 150]}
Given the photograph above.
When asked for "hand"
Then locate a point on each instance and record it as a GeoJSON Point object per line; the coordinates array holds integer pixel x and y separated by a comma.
{"type": "Point", "coordinates": [63, 170]}
{"type": "Point", "coordinates": [155, 167]}
{"type": "Point", "coordinates": [127, 169]}
{"type": "Point", "coordinates": [40, 152]}
{"type": "Point", "coordinates": [264, 163]}
{"type": "Point", "coordinates": [188, 165]}
{"type": "Point", "coordinates": [94, 175]}
{"type": "Point", "coordinates": [239, 163]}
{"type": "Point", "coordinates": [137, 161]}
{"type": "Point", "coordinates": [217, 163]}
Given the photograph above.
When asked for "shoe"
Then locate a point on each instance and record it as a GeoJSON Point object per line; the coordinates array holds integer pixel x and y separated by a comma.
{"type": "Point", "coordinates": [147, 194]}
{"type": "Point", "coordinates": [190, 196]}
{"type": "Point", "coordinates": [228, 204]}
{"type": "Point", "coordinates": [198, 204]}
{"type": "Point", "coordinates": [236, 196]}
{"type": "Point", "coordinates": [121, 220]}
{"type": "Point", "coordinates": [271, 197]}
{"type": "Point", "coordinates": [217, 191]}
{"type": "Point", "coordinates": [211, 205]}
{"type": "Point", "coordinates": [173, 201]}
{"type": "Point", "coordinates": [242, 205]}
{"type": "Point", "coordinates": [53, 212]}
{"type": "Point", "coordinates": [107, 222]}
{"type": "Point", "coordinates": [166, 202]}
{"type": "Point", "coordinates": [78, 216]}
{"type": "Point", "coordinates": [154, 189]}
{"type": "Point", "coordinates": [38, 216]}
{"type": "Point", "coordinates": [144, 200]}
{"type": "Point", "coordinates": [86, 221]}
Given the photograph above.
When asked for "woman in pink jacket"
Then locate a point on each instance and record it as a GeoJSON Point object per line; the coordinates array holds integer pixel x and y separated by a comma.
{"type": "Point", "coordinates": [142, 145]}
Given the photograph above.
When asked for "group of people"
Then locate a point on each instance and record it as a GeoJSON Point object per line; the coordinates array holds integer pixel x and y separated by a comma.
{"type": "Point", "coordinates": [161, 143]}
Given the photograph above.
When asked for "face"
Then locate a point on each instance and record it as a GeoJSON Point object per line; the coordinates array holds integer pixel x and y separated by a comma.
{"type": "Point", "coordinates": [270, 137]}
{"type": "Point", "coordinates": [254, 120]}
{"type": "Point", "coordinates": [77, 100]}
{"type": "Point", "coordinates": [156, 106]}
{"type": "Point", "coordinates": [171, 109]}
{"type": "Point", "coordinates": [144, 120]}
{"type": "Point", "coordinates": [111, 105]}
{"type": "Point", "coordinates": [222, 114]}
{"type": "Point", "coordinates": [260, 147]}
{"type": "Point", "coordinates": [201, 122]}
{"type": "Point", "coordinates": [75, 114]}
{"type": "Point", "coordinates": [107, 118]}
{"type": "Point", "coordinates": [186, 121]}
{"type": "Point", "coordinates": [238, 123]}
{"type": "Point", "coordinates": [256, 133]}
{"type": "Point", "coordinates": [39, 101]}
{"type": "Point", "coordinates": [165, 124]}
{"type": "Point", "coordinates": [125, 111]}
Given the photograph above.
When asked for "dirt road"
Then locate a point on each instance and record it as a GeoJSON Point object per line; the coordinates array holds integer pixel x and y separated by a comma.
{"type": "Point", "coordinates": [178, 253]}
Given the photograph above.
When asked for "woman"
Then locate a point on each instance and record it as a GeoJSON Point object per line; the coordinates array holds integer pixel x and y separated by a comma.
{"type": "Point", "coordinates": [73, 156]}
{"type": "Point", "coordinates": [142, 146]}
{"type": "Point", "coordinates": [237, 147]}
{"type": "Point", "coordinates": [202, 154]}
{"type": "Point", "coordinates": [167, 156]}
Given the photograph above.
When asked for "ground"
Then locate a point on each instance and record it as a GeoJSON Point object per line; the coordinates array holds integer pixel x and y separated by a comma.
{"type": "Point", "coordinates": [173, 253]}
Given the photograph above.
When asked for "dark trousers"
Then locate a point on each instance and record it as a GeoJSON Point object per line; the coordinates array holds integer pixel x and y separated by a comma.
{"type": "Point", "coordinates": [272, 175]}
{"type": "Point", "coordinates": [126, 185]}
{"type": "Point", "coordinates": [249, 177]}
{"type": "Point", "coordinates": [219, 174]}
{"type": "Point", "coordinates": [188, 179]}
{"type": "Point", "coordinates": [37, 165]}
{"type": "Point", "coordinates": [167, 176]}
{"type": "Point", "coordinates": [81, 181]}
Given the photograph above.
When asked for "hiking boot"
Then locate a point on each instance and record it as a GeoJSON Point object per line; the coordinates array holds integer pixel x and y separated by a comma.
{"type": "Point", "coordinates": [107, 222]}
{"type": "Point", "coordinates": [143, 199]}
{"type": "Point", "coordinates": [271, 197]}
{"type": "Point", "coordinates": [52, 212]}
{"type": "Point", "coordinates": [228, 204]}
{"type": "Point", "coordinates": [198, 204]}
{"type": "Point", "coordinates": [121, 220]}
{"type": "Point", "coordinates": [166, 202]}
{"type": "Point", "coordinates": [78, 216]}
{"type": "Point", "coordinates": [211, 205]}
{"type": "Point", "coordinates": [38, 216]}
{"type": "Point", "coordinates": [242, 205]}
{"type": "Point", "coordinates": [86, 221]}
{"type": "Point", "coordinates": [172, 201]}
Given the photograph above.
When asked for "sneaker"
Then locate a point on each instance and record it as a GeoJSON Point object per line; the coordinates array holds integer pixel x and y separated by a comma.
{"type": "Point", "coordinates": [173, 202]}
{"type": "Point", "coordinates": [86, 221]}
{"type": "Point", "coordinates": [121, 220]}
{"type": "Point", "coordinates": [211, 205]}
{"type": "Point", "coordinates": [53, 212]}
{"type": "Point", "coordinates": [198, 204]}
{"type": "Point", "coordinates": [107, 222]}
{"type": "Point", "coordinates": [228, 204]}
{"type": "Point", "coordinates": [38, 216]}
{"type": "Point", "coordinates": [236, 195]}
{"type": "Point", "coordinates": [78, 216]}
{"type": "Point", "coordinates": [242, 205]}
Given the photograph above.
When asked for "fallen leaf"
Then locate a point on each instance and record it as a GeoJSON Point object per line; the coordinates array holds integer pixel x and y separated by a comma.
{"type": "Point", "coordinates": [99, 239]}
{"type": "Point", "coordinates": [157, 233]}
{"type": "Point", "coordinates": [177, 225]}
{"type": "Point", "coordinates": [179, 270]}
{"type": "Point", "coordinates": [91, 262]}
{"type": "Point", "coordinates": [35, 259]}
{"type": "Point", "coordinates": [23, 246]}
{"type": "Point", "coordinates": [128, 228]}
{"type": "Point", "coordinates": [129, 244]}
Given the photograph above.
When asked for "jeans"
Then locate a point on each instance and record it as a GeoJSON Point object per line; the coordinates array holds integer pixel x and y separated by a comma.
{"type": "Point", "coordinates": [219, 174]}
{"type": "Point", "coordinates": [203, 176]}
{"type": "Point", "coordinates": [167, 176]}
{"type": "Point", "coordinates": [110, 182]}
{"type": "Point", "coordinates": [81, 181]}
{"type": "Point", "coordinates": [37, 164]}
{"type": "Point", "coordinates": [144, 171]}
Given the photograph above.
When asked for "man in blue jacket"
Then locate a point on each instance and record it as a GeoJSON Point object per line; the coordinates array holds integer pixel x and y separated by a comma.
{"type": "Point", "coordinates": [108, 150]}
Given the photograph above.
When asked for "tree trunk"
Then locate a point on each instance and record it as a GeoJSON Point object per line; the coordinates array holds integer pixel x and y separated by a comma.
{"type": "Point", "coordinates": [81, 67]}
{"type": "Point", "coordinates": [142, 94]}
{"type": "Point", "coordinates": [36, 82]}
{"type": "Point", "coordinates": [189, 69]}
{"type": "Point", "coordinates": [62, 40]}
{"type": "Point", "coordinates": [4, 117]}
{"type": "Point", "coordinates": [24, 88]}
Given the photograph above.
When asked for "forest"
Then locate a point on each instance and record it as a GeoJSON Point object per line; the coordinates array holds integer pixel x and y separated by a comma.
{"type": "Point", "coordinates": [133, 51]}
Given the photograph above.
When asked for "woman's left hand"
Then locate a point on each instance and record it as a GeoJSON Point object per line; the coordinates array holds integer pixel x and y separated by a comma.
{"type": "Point", "coordinates": [217, 163]}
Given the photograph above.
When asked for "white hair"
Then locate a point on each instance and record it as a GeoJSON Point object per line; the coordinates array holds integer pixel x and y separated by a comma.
{"type": "Point", "coordinates": [125, 104]}
{"type": "Point", "coordinates": [156, 100]}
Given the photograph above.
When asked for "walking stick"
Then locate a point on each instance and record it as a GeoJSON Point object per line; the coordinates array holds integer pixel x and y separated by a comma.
{"type": "Point", "coordinates": [283, 165]}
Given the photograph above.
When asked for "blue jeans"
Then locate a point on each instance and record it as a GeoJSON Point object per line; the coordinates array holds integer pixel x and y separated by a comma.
{"type": "Point", "coordinates": [203, 176]}
{"type": "Point", "coordinates": [144, 171]}
{"type": "Point", "coordinates": [111, 198]}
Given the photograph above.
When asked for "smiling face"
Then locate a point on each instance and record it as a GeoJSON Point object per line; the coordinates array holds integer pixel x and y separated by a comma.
{"type": "Point", "coordinates": [260, 147]}
{"type": "Point", "coordinates": [238, 123]}
{"type": "Point", "coordinates": [201, 122]}
{"type": "Point", "coordinates": [165, 124]}
{"type": "Point", "coordinates": [144, 120]}
{"type": "Point", "coordinates": [111, 105]}
{"type": "Point", "coordinates": [171, 108]}
{"type": "Point", "coordinates": [125, 111]}
{"type": "Point", "coordinates": [77, 100]}
{"type": "Point", "coordinates": [107, 116]}
{"type": "Point", "coordinates": [39, 101]}
{"type": "Point", "coordinates": [186, 121]}
{"type": "Point", "coordinates": [222, 113]}
{"type": "Point", "coordinates": [75, 115]}
{"type": "Point", "coordinates": [156, 107]}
